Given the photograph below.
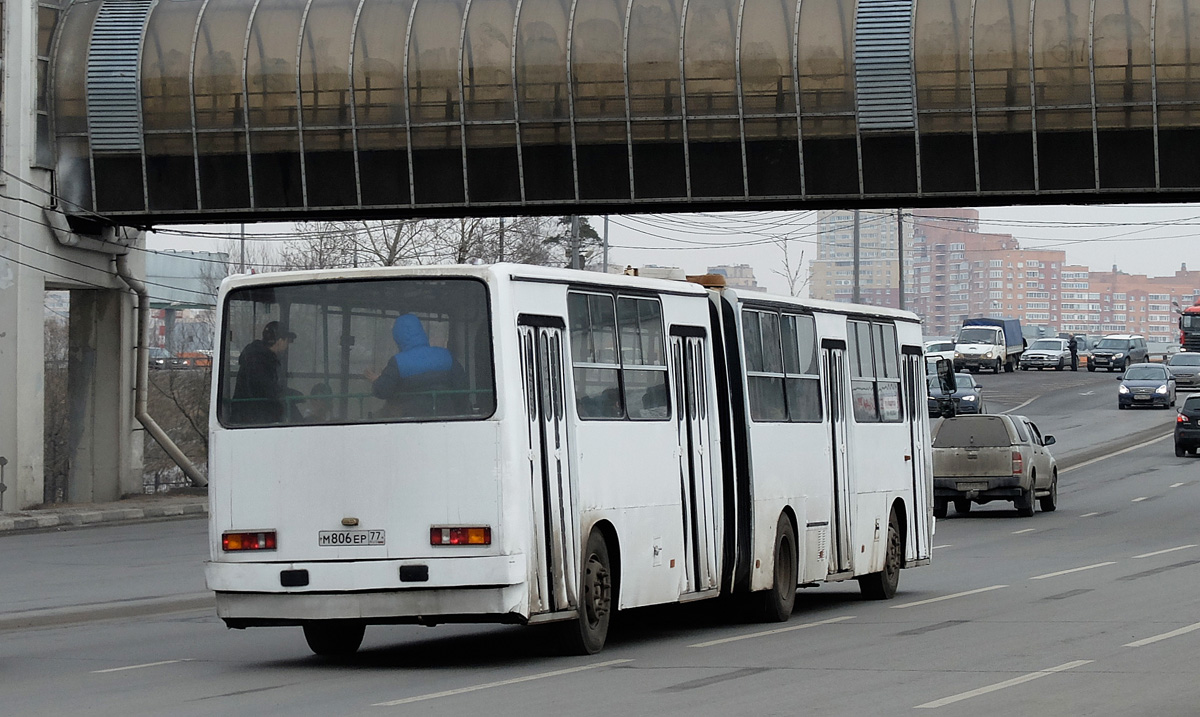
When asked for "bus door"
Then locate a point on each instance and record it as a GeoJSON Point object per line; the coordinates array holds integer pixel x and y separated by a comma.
{"type": "Point", "coordinates": [914, 380]}
{"type": "Point", "coordinates": [835, 396]}
{"type": "Point", "coordinates": [689, 368]}
{"type": "Point", "coordinates": [554, 506]}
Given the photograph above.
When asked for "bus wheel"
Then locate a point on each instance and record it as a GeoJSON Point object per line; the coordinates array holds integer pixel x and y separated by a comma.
{"type": "Point", "coordinates": [882, 585]}
{"type": "Point", "coordinates": [775, 604]}
{"type": "Point", "coordinates": [334, 638]}
{"type": "Point", "coordinates": [586, 634]}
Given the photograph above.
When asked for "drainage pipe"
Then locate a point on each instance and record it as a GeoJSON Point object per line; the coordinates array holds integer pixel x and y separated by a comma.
{"type": "Point", "coordinates": [143, 378]}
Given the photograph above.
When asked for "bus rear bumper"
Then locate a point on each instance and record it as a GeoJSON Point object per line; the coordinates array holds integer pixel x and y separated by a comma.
{"type": "Point", "coordinates": [380, 607]}
{"type": "Point", "coordinates": [372, 590]}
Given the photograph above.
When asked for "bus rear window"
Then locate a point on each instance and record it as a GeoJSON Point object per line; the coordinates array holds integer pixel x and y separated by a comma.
{"type": "Point", "coordinates": [412, 349]}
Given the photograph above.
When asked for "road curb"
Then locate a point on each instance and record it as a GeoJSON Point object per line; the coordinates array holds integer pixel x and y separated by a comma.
{"type": "Point", "coordinates": [75, 614]}
{"type": "Point", "coordinates": [42, 520]}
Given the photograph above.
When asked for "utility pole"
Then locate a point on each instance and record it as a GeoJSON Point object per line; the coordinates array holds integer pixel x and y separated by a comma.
{"type": "Point", "coordinates": [576, 260]}
{"type": "Point", "coordinates": [605, 260]}
{"type": "Point", "coordinates": [857, 296]}
{"type": "Point", "coordinates": [900, 251]}
{"type": "Point", "coordinates": [242, 267]}
{"type": "Point", "coordinates": [500, 251]}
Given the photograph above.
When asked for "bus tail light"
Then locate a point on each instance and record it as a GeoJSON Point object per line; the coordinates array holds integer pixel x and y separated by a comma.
{"type": "Point", "coordinates": [1018, 463]}
{"type": "Point", "coordinates": [481, 535]}
{"type": "Point", "coordinates": [257, 540]}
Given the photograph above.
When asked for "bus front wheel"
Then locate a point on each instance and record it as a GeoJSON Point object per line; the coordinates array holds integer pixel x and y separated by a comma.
{"type": "Point", "coordinates": [586, 634]}
{"type": "Point", "coordinates": [882, 585]}
{"type": "Point", "coordinates": [775, 604]}
{"type": "Point", "coordinates": [334, 638]}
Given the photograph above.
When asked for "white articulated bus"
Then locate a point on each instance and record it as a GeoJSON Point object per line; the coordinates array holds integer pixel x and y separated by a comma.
{"type": "Point", "coordinates": [520, 444]}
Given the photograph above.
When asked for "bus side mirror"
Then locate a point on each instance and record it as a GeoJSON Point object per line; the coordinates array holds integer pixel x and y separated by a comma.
{"type": "Point", "coordinates": [945, 374]}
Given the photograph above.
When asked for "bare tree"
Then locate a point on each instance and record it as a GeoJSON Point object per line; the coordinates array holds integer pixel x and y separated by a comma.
{"type": "Point", "coordinates": [56, 422]}
{"type": "Point", "coordinates": [791, 273]}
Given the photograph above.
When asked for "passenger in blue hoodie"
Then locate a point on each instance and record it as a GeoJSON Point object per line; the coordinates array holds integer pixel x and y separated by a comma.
{"type": "Point", "coordinates": [413, 372]}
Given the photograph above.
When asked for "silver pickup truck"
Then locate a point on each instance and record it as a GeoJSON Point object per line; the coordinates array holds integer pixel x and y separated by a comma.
{"type": "Point", "coordinates": [978, 459]}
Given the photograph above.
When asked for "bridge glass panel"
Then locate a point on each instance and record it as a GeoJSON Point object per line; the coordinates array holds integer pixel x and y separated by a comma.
{"type": "Point", "coordinates": [492, 169]}
{"type": "Point", "coordinates": [1124, 94]}
{"type": "Point", "coordinates": [826, 41]}
{"type": "Point", "coordinates": [167, 106]}
{"type": "Point", "coordinates": [942, 38]}
{"type": "Point", "coordinates": [1063, 94]}
{"type": "Point", "coordinates": [325, 104]}
{"type": "Point", "coordinates": [544, 102]}
{"type": "Point", "coordinates": [434, 54]}
{"type": "Point", "coordinates": [711, 92]}
{"type": "Point", "coordinates": [1177, 34]}
{"type": "Point", "coordinates": [1002, 98]}
{"type": "Point", "coordinates": [218, 99]}
{"type": "Point", "coordinates": [598, 87]}
{"type": "Point", "coordinates": [655, 99]}
{"type": "Point", "coordinates": [273, 101]}
{"type": "Point", "coordinates": [769, 98]}
{"type": "Point", "coordinates": [379, 102]}
{"type": "Point", "coordinates": [73, 174]}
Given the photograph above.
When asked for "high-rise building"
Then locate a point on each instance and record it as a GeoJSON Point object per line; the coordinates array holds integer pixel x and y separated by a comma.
{"type": "Point", "coordinates": [831, 273]}
{"type": "Point", "coordinates": [737, 276]}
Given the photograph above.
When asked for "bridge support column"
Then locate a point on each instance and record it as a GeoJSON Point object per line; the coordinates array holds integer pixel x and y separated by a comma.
{"type": "Point", "coordinates": [105, 449]}
{"type": "Point", "coordinates": [22, 366]}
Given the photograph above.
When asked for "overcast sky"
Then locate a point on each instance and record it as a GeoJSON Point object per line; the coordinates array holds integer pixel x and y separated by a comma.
{"type": "Point", "coordinates": [1140, 239]}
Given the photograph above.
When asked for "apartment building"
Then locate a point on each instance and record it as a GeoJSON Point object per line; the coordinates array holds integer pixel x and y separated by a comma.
{"type": "Point", "coordinates": [831, 273]}
{"type": "Point", "coordinates": [1141, 304]}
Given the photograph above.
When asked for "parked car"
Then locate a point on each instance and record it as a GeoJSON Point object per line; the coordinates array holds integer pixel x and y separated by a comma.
{"type": "Point", "coordinates": [1149, 385]}
{"type": "Point", "coordinates": [1187, 427]}
{"type": "Point", "coordinates": [940, 348]}
{"type": "Point", "coordinates": [979, 459]}
{"type": "Point", "coordinates": [1118, 352]}
{"type": "Point", "coordinates": [967, 399]}
{"type": "Point", "coordinates": [161, 358]}
{"type": "Point", "coordinates": [1186, 369]}
{"type": "Point", "coordinates": [1047, 353]}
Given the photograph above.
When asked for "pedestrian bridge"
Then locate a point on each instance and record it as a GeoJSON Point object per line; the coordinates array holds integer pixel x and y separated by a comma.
{"type": "Point", "coordinates": [230, 110]}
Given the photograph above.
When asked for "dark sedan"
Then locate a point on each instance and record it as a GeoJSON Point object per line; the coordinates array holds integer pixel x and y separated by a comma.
{"type": "Point", "coordinates": [967, 399]}
{"type": "Point", "coordinates": [1187, 427]}
{"type": "Point", "coordinates": [1185, 367]}
{"type": "Point", "coordinates": [1146, 385]}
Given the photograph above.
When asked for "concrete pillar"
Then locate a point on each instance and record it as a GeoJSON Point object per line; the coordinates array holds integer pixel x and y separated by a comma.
{"type": "Point", "coordinates": [100, 397]}
{"type": "Point", "coordinates": [22, 362]}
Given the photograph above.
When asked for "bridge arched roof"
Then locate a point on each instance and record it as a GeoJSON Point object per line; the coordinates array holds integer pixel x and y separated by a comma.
{"type": "Point", "coordinates": [169, 110]}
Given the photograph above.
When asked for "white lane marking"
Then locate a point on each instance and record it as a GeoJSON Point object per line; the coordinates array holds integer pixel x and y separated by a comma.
{"type": "Point", "coordinates": [942, 546]}
{"type": "Point", "coordinates": [1001, 685]}
{"type": "Point", "coordinates": [1072, 570]}
{"type": "Point", "coordinates": [1139, 500]}
{"type": "Point", "coordinates": [1088, 515]}
{"type": "Point", "coordinates": [138, 667]}
{"type": "Point", "coordinates": [776, 631]}
{"type": "Point", "coordinates": [501, 683]}
{"type": "Point", "coordinates": [1027, 530]}
{"type": "Point", "coordinates": [1143, 444]}
{"type": "Point", "coordinates": [946, 597]}
{"type": "Point", "coordinates": [1160, 552]}
{"type": "Point", "coordinates": [1176, 485]}
{"type": "Point", "coordinates": [1164, 636]}
{"type": "Point", "coordinates": [1023, 405]}
{"type": "Point", "coordinates": [1088, 393]}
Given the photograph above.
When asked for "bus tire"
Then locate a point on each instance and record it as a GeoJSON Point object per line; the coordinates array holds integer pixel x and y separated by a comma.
{"type": "Point", "coordinates": [334, 638]}
{"type": "Point", "coordinates": [586, 634]}
{"type": "Point", "coordinates": [882, 585]}
{"type": "Point", "coordinates": [776, 603]}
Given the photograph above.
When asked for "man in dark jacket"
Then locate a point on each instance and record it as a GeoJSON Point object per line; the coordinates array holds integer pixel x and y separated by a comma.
{"type": "Point", "coordinates": [1073, 347]}
{"type": "Point", "coordinates": [258, 393]}
{"type": "Point", "coordinates": [412, 377]}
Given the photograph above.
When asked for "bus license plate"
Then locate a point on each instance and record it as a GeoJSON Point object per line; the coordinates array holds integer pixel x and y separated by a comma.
{"type": "Point", "coordinates": [351, 537]}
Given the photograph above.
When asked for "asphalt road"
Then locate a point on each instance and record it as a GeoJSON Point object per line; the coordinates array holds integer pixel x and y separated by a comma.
{"type": "Point", "coordinates": [1090, 610]}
